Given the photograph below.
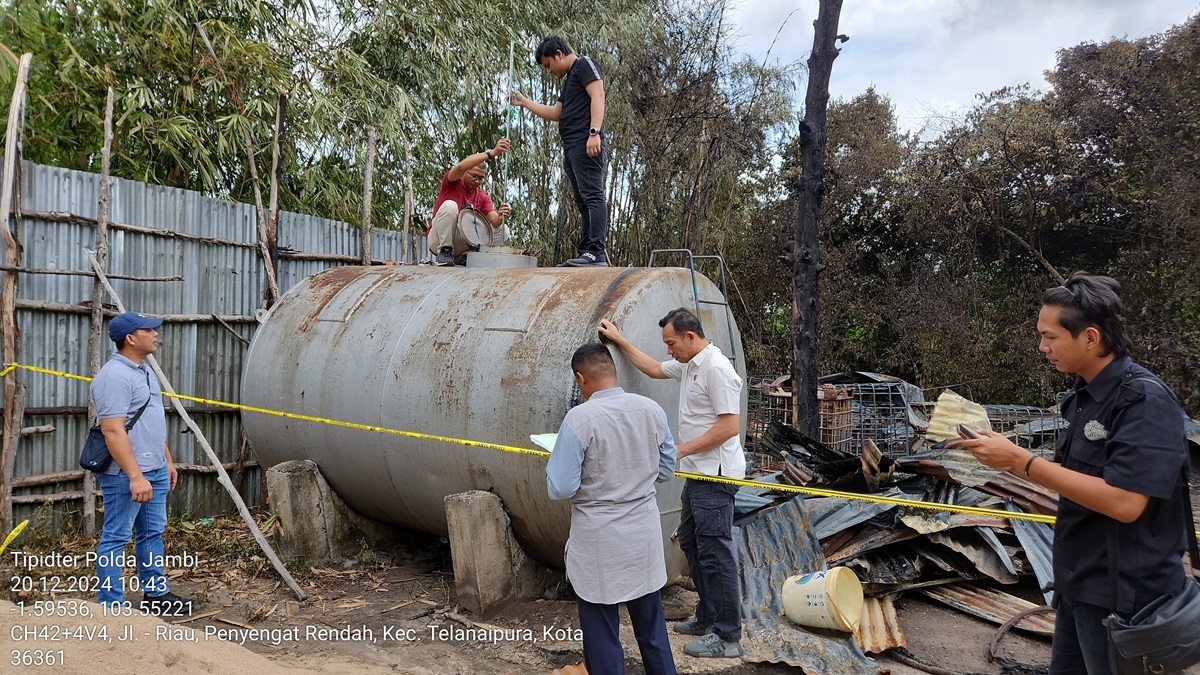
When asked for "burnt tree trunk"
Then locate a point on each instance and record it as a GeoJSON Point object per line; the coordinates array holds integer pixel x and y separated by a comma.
{"type": "Point", "coordinates": [806, 258]}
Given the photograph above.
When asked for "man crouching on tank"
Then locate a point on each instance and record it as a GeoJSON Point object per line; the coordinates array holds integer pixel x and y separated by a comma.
{"type": "Point", "coordinates": [459, 200]}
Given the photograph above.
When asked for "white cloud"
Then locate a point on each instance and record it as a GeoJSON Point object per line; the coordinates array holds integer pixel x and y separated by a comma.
{"type": "Point", "coordinates": [936, 55]}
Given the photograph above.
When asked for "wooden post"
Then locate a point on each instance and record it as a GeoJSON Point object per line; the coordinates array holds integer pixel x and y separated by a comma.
{"type": "Point", "coordinates": [95, 334]}
{"type": "Point", "coordinates": [372, 139]}
{"type": "Point", "coordinates": [8, 289]}
{"type": "Point", "coordinates": [222, 475]}
{"type": "Point", "coordinates": [10, 458]}
{"type": "Point", "coordinates": [264, 245]}
{"type": "Point", "coordinates": [807, 258]}
{"type": "Point", "coordinates": [409, 246]}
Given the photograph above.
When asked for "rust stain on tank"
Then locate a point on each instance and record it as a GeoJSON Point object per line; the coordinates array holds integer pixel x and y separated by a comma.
{"type": "Point", "coordinates": [622, 288]}
{"type": "Point", "coordinates": [576, 285]}
{"type": "Point", "coordinates": [324, 287]}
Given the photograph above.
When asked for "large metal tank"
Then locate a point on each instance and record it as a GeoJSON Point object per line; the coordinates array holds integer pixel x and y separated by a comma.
{"type": "Point", "coordinates": [480, 354]}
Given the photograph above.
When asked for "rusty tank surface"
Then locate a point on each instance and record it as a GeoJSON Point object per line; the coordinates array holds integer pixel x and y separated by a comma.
{"type": "Point", "coordinates": [478, 354]}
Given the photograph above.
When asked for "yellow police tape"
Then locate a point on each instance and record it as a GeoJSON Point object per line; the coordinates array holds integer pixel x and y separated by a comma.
{"type": "Point", "coordinates": [819, 492]}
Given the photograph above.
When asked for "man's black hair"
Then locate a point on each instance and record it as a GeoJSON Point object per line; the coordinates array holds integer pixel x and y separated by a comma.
{"type": "Point", "coordinates": [682, 321]}
{"type": "Point", "coordinates": [549, 46]}
{"type": "Point", "coordinates": [1091, 300]}
{"type": "Point", "coordinates": [591, 359]}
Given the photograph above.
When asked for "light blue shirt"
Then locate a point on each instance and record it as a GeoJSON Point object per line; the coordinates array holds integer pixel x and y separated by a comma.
{"type": "Point", "coordinates": [610, 452]}
{"type": "Point", "coordinates": [119, 389]}
{"type": "Point", "coordinates": [565, 467]}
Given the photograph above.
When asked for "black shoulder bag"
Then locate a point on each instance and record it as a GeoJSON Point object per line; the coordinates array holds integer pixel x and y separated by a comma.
{"type": "Point", "coordinates": [95, 455]}
{"type": "Point", "coordinates": [1164, 636]}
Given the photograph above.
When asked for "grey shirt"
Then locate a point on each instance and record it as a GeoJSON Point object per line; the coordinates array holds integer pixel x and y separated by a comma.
{"type": "Point", "coordinates": [609, 453]}
{"type": "Point", "coordinates": [119, 389]}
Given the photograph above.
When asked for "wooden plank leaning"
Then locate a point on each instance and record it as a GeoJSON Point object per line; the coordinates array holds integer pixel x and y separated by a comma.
{"type": "Point", "coordinates": [222, 475]}
{"type": "Point", "coordinates": [8, 290]}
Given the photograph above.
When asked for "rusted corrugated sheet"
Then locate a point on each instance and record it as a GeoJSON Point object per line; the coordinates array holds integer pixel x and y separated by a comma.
{"type": "Point", "coordinates": [869, 538]}
{"type": "Point", "coordinates": [992, 605]}
{"type": "Point", "coordinates": [981, 547]}
{"type": "Point", "coordinates": [831, 515]}
{"type": "Point", "coordinates": [774, 544]}
{"type": "Point", "coordinates": [886, 567]}
{"type": "Point", "coordinates": [880, 629]}
{"type": "Point", "coordinates": [1037, 539]}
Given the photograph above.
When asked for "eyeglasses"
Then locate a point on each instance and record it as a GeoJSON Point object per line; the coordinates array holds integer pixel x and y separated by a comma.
{"type": "Point", "coordinates": [478, 178]}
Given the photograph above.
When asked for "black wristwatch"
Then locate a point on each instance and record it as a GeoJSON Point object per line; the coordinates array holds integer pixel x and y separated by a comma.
{"type": "Point", "coordinates": [489, 153]}
{"type": "Point", "coordinates": [593, 132]}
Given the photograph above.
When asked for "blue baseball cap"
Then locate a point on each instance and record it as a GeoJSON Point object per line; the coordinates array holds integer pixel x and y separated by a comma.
{"type": "Point", "coordinates": [124, 324]}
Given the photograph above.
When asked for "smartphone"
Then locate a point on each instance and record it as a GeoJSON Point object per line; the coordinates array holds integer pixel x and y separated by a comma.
{"type": "Point", "coordinates": [965, 432]}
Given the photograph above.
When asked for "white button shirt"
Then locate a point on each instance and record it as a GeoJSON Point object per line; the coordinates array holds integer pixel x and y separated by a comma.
{"type": "Point", "coordinates": [708, 386]}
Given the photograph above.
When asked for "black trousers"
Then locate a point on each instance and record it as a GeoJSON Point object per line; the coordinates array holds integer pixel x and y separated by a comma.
{"type": "Point", "coordinates": [586, 175]}
{"type": "Point", "coordinates": [1080, 645]}
{"type": "Point", "coordinates": [602, 651]}
{"type": "Point", "coordinates": [706, 537]}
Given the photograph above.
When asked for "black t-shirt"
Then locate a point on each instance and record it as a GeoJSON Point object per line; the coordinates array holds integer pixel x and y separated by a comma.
{"type": "Point", "coordinates": [576, 117]}
{"type": "Point", "coordinates": [1130, 432]}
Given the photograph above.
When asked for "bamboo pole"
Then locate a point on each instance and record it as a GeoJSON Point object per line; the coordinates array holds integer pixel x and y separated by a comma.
{"type": "Point", "coordinates": [326, 257]}
{"type": "Point", "coordinates": [372, 139]}
{"type": "Point", "coordinates": [229, 328]}
{"type": "Point", "coordinates": [66, 217]}
{"type": "Point", "coordinates": [222, 476]}
{"type": "Point", "coordinates": [264, 251]}
{"type": "Point", "coordinates": [95, 335]}
{"type": "Point", "coordinates": [65, 308]}
{"type": "Point", "coordinates": [8, 289]}
{"type": "Point", "coordinates": [407, 240]}
{"type": "Point", "coordinates": [49, 478]}
{"type": "Point", "coordinates": [273, 217]}
{"type": "Point", "coordinates": [47, 499]}
{"type": "Point", "coordinates": [82, 273]}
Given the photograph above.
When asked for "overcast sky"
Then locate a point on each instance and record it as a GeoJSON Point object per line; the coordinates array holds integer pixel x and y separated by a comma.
{"type": "Point", "coordinates": [933, 56]}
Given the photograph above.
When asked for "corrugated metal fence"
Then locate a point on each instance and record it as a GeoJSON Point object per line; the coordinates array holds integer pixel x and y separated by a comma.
{"type": "Point", "coordinates": [201, 357]}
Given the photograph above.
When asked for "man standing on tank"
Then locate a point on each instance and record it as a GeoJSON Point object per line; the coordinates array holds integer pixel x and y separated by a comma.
{"type": "Point", "coordinates": [580, 116]}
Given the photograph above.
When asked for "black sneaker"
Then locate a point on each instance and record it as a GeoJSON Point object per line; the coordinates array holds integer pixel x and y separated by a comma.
{"type": "Point", "coordinates": [445, 257]}
{"type": "Point", "coordinates": [168, 604]}
{"type": "Point", "coordinates": [588, 259]}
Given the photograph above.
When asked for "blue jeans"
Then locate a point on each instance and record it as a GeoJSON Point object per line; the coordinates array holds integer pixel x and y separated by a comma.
{"type": "Point", "coordinates": [121, 516]}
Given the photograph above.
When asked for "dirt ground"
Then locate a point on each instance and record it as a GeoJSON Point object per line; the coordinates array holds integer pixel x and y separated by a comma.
{"type": "Point", "coordinates": [391, 615]}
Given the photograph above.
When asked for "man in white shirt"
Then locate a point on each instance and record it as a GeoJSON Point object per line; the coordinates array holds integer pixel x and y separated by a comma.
{"type": "Point", "coordinates": [709, 426]}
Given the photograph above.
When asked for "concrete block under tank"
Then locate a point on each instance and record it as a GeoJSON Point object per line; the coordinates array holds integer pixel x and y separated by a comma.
{"type": "Point", "coordinates": [479, 354]}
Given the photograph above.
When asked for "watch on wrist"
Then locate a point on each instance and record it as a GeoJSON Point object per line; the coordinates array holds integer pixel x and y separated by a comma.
{"type": "Point", "coordinates": [593, 132]}
{"type": "Point", "coordinates": [489, 153]}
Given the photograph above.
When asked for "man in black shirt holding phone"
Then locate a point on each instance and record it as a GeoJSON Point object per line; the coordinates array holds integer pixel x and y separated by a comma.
{"type": "Point", "coordinates": [580, 116]}
{"type": "Point", "coordinates": [1120, 460]}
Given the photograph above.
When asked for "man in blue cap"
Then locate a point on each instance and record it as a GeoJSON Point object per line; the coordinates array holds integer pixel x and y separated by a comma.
{"type": "Point", "coordinates": [136, 484]}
